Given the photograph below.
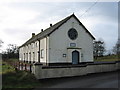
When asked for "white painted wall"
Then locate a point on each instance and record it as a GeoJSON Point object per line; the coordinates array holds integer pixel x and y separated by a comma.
{"type": "Point", "coordinates": [56, 45]}
{"type": "Point", "coordinates": [43, 49]}
{"type": "Point", "coordinates": [20, 54]}
{"type": "Point", "coordinates": [61, 42]}
{"type": "Point", "coordinates": [36, 50]}
{"type": "Point", "coordinates": [28, 51]}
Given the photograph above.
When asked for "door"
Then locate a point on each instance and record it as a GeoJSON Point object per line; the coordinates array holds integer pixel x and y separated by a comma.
{"type": "Point", "coordinates": [75, 57]}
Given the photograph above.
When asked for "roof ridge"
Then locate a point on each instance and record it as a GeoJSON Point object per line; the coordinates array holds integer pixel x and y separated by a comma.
{"type": "Point", "coordinates": [63, 20]}
{"type": "Point", "coordinates": [52, 28]}
{"type": "Point", "coordinates": [57, 23]}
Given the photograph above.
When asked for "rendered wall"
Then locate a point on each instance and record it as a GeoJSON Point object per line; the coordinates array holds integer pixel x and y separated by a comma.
{"type": "Point", "coordinates": [29, 52]}
{"type": "Point", "coordinates": [55, 45]}
{"type": "Point", "coordinates": [59, 42]}
{"type": "Point", "coordinates": [42, 73]}
{"type": "Point", "coordinates": [43, 47]}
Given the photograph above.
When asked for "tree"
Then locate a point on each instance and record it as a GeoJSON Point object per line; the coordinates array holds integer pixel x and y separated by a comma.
{"type": "Point", "coordinates": [116, 48]}
{"type": "Point", "coordinates": [12, 48]}
{"type": "Point", "coordinates": [11, 51]}
{"type": "Point", "coordinates": [99, 48]}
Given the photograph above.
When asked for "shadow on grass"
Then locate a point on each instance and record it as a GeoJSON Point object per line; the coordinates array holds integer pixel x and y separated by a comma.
{"type": "Point", "coordinates": [19, 79]}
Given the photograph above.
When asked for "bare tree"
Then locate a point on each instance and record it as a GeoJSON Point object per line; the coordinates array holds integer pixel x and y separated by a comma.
{"type": "Point", "coordinates": [11, 51]}
{"type": "Point", "coordinates": [99, 48]}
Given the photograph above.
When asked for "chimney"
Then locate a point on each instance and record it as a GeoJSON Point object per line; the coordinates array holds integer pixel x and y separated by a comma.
{"type": "Point", "coordinates": [50, 25]}
{"type": "Point", "coordinates": [33, 34]}
{"type": "Point", "coordinates": [41, 30]}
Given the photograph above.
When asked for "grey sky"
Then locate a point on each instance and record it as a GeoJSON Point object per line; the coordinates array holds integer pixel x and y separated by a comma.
{"type": "Point", "coordinates": [19, 19]}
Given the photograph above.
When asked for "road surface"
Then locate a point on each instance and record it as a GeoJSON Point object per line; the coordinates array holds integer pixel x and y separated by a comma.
{"type": "Point", "coordinates": [101, 80]}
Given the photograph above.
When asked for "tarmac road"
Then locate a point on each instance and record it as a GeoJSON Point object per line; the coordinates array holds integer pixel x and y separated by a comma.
{"type": "Point", "coordinates": [100, 80]}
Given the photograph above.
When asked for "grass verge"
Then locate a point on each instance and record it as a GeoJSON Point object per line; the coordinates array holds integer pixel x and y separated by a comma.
{"type": "Point", "coordinates": [107, 58]}
{"type": "Point", "coordinates": [12, 78]}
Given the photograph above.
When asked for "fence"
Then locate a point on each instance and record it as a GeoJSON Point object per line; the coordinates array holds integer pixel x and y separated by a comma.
{"type": "Point", "coordinates": [22, 66]}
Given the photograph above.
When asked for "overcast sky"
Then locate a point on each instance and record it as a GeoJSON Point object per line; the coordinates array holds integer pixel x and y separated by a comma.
{"type": "Point", "coordinates": [19, 19]}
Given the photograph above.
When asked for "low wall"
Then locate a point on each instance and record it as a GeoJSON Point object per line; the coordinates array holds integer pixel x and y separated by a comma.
{"type": "Point", "coordinates": [42, 72]}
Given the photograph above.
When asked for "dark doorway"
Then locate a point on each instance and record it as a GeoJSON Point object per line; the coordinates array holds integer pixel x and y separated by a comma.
{"type": "Point", "coordinates": [75, 57]}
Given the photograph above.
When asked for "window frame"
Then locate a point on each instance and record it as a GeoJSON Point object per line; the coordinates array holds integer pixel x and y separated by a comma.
{"type": "Point", "coordinates": [42, 53]}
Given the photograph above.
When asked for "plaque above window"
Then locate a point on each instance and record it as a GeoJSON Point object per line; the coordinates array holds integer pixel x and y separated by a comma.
{"type": "Point", "coordinates": [72, 34]}
{"type": "Point", "coordinates": [72, 44]}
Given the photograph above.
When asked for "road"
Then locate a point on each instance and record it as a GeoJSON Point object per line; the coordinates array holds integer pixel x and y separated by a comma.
{"type": "Point", "coordinates": [101, 80]}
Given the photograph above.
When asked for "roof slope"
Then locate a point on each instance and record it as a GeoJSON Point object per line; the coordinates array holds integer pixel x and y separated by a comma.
{"type": "Point", "coordinates": [51, 29]}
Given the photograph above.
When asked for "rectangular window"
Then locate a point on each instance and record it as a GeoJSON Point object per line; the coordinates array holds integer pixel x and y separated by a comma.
{"type": "Point", "coordinates": [42, 53]}
{"type": "Point", "coordinates": [27, 56]}
{"type": "Point", "coordinates": [24, 56]}
{"type": "Point", "coordinates": [33, 45]}
{"type": "Point", "coordinates": [36, 44]}
{"type": "Point", "coordinates": [64, 55]}
{"type": "Point", "coordinates": [30, 56]}
{"type": "Point", "coordinates": [33, 56]}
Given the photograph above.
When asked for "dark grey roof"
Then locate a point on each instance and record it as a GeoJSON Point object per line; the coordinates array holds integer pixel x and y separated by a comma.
{"type": "Point", "coordinates": [51, 29]}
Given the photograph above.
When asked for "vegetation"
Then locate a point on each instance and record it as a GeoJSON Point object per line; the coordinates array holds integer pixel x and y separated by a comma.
{"type": "Point", "coordinates": [11, 52]}
{"type": "Point", "coordinates": [99, 51]}
{"type": "Point", "coordinates": [116, 48]}
{"type": "Point", "coordinates": [107, 58]}
{"type": "Point", "coordinates": [17, 79]}
{"type": "Point", "coordinates": [6, 68]}
{"type": "Point", "coordinates": [99, 48]}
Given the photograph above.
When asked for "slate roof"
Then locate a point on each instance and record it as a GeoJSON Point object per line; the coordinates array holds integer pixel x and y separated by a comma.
{"type": "Point", "coordinates": [52, 28]}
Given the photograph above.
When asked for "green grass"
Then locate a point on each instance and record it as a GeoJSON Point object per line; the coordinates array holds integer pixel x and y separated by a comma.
{"type": "Point", "coordinates": [107, 58]}
{"type": "Point", "coordinates": [20, 79]}
{"type": "Point", "coordinates": [6, 68]}
{"type": "Point", "coordinates": [17, 79]}
{"type": "Point", "coordinates": [0, 67]}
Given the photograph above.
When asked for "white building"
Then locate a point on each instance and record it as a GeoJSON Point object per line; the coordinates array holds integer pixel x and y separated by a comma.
{"type": "Point", "coordinates": [66, 42]}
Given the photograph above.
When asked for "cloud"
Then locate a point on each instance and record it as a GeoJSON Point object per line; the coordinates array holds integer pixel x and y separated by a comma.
{"type": "Point", "coordinates": [19, 19]}
{"type": "Point", "coordinates": [103, 23]}
{"type": "Point", "coordinates": [14, 23]}
{"type": "Point", "coordinates": [16, 16]}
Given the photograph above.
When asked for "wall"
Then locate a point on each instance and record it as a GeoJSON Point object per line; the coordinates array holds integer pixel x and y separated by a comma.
{"type": "Point", "coordinates": [56, 45]}
{"type": "Point", "coordinates": [29, 52]}
{"type": "Point", "coordinates": [43, 50]}
{"type": "Point", "coordinates": [36, 50]}
{"type": "Point", "coordinates": [59, 42]}
{"type": "Point", "coordinates": [52, 72]}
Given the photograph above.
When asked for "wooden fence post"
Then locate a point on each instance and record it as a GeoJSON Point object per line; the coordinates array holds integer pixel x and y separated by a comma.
{"type": "Point", "coordinates": [30, 67]}
{"type": "Point", "coordinates": [21, 66]}
{"type": "Point", "coordinates": [15, 66]}
{"type": "Point", "coordinates": [25, 66]}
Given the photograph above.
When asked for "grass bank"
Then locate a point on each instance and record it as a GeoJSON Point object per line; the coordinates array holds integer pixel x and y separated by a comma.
{"type": "Point", "coordinates": [107, 58]}
{"type": "Point", "coordinates": [12, 78]}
